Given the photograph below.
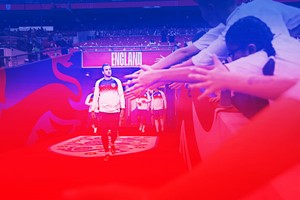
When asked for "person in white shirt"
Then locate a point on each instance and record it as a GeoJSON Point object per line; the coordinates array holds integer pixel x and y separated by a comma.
{"type": "Point", "coordinates": [142, 110]}
{"type": "Point", "coordinates": [280, 18]}
{"type": "Point", "coordinates": [158, 107]}
{"type": "Point", "coordinates": [92, 118]}
{"type": "Point", "coordinates": [109, 96]}
{"type": "Point", "coordinates": [250, 37]}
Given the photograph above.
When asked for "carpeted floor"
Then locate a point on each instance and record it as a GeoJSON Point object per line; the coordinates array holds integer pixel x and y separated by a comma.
{"type": "Point", "coordinates": [36, 172]}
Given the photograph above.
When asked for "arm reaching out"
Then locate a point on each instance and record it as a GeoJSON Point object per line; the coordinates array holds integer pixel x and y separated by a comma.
{"type": "Point", "coordinates": [176, 57]}
{"type": "Point", "coordinates": [172, 59]}
{"type": "Point", "coordinates": [150, 77]}
{"type": "Point", "coordinates": [269, 87]}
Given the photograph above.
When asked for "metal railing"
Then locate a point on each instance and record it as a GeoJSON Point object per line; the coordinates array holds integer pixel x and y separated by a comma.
{"type": "Point", "coordinates": [21, 59]}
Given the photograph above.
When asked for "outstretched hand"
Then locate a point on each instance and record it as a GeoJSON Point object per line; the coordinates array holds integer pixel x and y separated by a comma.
{"type": "Point", "coordinates": [212, 80]}
{"type": "Point", "coordinates": [140, 82]}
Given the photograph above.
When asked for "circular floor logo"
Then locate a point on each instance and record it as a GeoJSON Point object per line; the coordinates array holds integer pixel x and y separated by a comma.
{"type": "Point", "coordinates": [91, 146]}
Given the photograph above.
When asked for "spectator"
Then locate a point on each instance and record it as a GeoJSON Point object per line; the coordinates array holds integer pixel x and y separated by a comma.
{"type": "Point", "coordinates": [279, 17]}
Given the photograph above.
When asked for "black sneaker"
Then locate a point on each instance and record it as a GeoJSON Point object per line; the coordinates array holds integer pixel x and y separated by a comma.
{"type": "Point", "coordinates": [113, 149]}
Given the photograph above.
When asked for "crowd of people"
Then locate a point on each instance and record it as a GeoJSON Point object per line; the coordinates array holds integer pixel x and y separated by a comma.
{"type": "Point", "coordinates": [200, 53]}
{"type": "Point", "coordinates": [250, 52]}
{"type": "Point", "coordinates": [40, 43]}
{"type": "Point", "coordinates": [152, 103]}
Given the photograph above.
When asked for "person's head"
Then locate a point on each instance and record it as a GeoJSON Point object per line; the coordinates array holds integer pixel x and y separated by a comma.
{"type": "Point", "coordinates": [106, 70]}
{"type": "Point", "coordinates": [247, 36]}
{"type": "Point", "coordinates": [216, 11]}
